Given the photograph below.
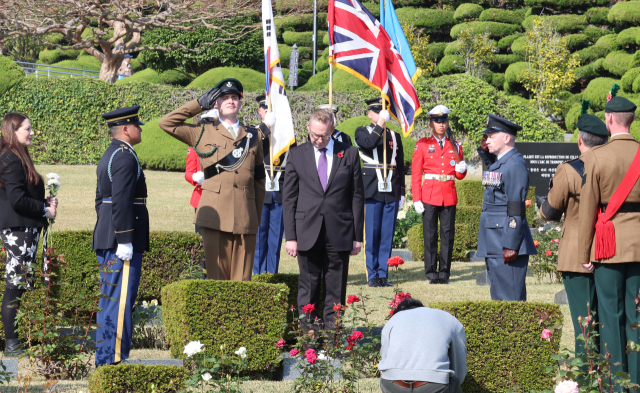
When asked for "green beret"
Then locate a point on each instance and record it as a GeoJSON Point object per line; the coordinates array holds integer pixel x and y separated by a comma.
{"type": "Point", "coordinates": [619, 104]}
{"type": "Point", "coordinates": [230, 86]}
{"type": "Point", "coordinates": [593, 125]}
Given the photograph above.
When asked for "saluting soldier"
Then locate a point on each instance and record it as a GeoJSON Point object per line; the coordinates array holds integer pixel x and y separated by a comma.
{"type": "Point", "coordinates": [230, 208]}
{"type": "Point", "coordinates": [504, 238]}
{"type": "Point", "coordinates": [384, 194]}
{"type": "Point", "coordinates": [269, 239]}
{"type": "Point", "coordinates": [433, 175]}
{"type": "Point", "coordinates": [564, 198]}
{"type": "Point", "coordinates": [610, 194]}
{"type": "Point", "coordinates": [337, 134]}
{"type": "Point", "coordinates": [121, 234]}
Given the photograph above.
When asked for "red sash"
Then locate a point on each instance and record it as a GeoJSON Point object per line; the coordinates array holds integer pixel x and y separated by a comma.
{"type": "Point", "coordinates": [605, 246]}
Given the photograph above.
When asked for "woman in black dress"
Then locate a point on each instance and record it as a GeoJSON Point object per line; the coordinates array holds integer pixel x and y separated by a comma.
{"type": "Point", "coordinates": [24, 211]}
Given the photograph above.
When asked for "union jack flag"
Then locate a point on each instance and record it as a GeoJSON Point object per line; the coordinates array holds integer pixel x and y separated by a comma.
{"type": "Point", "coordinates": [361, 47]}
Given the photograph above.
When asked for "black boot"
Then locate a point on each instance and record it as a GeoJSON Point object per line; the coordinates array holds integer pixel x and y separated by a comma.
{"type": "Point", "coordinates": [13, 347]}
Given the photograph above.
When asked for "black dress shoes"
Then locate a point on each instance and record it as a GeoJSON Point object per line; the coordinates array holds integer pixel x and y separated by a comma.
{"type": "Point", "coordinates": [444, 281]}
{"type": "Point", "coordinates": [384, 282]}
{"type": "Point", "coordinates": [374, 282]}
{"type": "Point", "coordinates": [433, 282]}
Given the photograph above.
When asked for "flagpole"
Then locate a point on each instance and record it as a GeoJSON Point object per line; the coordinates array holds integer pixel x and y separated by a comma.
{"type": "Point", "coordinates": [384, 141]}
{"type": "Point", "coordinates": [270, 135]}
{"type": "Point", "coordinates": [331, 88]}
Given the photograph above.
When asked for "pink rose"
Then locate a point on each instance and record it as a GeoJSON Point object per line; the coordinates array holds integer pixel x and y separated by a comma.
{"type": "Point", "coordinates": [280, 343]}
{"type": "Point", "coordinates": [309, 308]}
{"type": "Point", "coordinates": [546, 334]}
{"type": "Point", "coordinates": [567, 387]}
{"type": "Point", "coordinates": [311, 355]}
{"type": "Point", "coordinates": [294, 352]}
{"type": "Point", "coordinates": [549, 253]}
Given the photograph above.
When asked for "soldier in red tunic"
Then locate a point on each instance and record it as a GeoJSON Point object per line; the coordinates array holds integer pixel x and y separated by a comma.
{"type": "Point", "coordinates": [434, 169]}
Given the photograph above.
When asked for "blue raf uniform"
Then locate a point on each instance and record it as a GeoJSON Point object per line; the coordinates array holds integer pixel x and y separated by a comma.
{"type": "Point", "coordinates": [122, 229]}
{"type": "Point", "coordinates": [269, 239]}
{"type": "Point", "coordinates": [503, 222]}
{"type": "Point", "coordinates": [381, 208]}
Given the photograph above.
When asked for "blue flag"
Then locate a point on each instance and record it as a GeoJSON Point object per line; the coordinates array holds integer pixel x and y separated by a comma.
{"type": "Point", "coordinates": [389, 20]}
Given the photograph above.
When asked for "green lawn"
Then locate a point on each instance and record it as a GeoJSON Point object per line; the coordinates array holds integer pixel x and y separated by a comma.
{"type": "Point", "coordinates": [169, 209]}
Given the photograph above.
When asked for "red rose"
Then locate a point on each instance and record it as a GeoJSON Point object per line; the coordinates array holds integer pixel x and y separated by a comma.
{"type": "Point", "coordinates": [340, 155]}
{"type": "Point", "coordinates": [352, 299]}
{"type": "Point", "coordinates": [337, 307]}
{"type": "Point", "coordinates": [293, 352]}
{"type": "Point", "coordinates": [280, 343]}
{"type": "Point", "coordinates": [536, 243]}
{"type": "Point", "coordinates": [309, 308]}
{"type": "Point", "coordinates": [549, 253]}
{"type": "Point", "coordinates": [395, 261]}
{"type": "Point", "coordinates": [311, 355]}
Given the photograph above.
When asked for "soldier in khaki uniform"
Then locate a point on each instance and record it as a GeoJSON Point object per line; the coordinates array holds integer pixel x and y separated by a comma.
{"type": "Point", "coordinates": [617, 277]}
{"type": "Point", "coordinates": [564, 197]}
{"type": "Point", "coordinates": [233, 191]}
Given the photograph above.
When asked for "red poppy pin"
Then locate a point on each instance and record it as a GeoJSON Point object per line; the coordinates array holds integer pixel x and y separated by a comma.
{"type": "Point", "coordinates": [340, 155]}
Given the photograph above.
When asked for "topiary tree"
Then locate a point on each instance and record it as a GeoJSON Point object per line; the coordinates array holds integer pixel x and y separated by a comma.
{"type": "Point", "coordinates": [450, 64]}
{"type": "Point", "coordinates": [431, 20]}
{"type": "Point", "coordinates": [626, 39]}
{"type": "Point", "coordinates": [625, 13]}
{"type": "Point", "coordinates": [511, 83]}
{"type": "Point", "coordinates": [597, 15]}
{"type": "Point", "coordinates": [502, 15]}
{"type": "Point", "coordinates": [594, 33]}
{"type": "Point", "coordinates": [618, 62]}
{"type": "Point", "coordinates": [597, 91]}
{"type": "Point", "coordinates": [467, 12]}
{"type": "Point", "coordinates": [495, 29]}
{"type": "Point", "coordinates": [109, 29]}
{"type": "Point", "coordinates": [519, 46]}
{"type": "Point", "coordinates": [562, 24]}
{"type": "Point", "coordinates": [575, 41]}
{"type": "Point", "coordinates": [565, 4]}
{"type": "Point", "coordinates": [436, 50]}
{"type": "Point", "coordinates": [10, 74]}
{"type": "Point", "coordinates": [627, 79]}
{"type": "Point", "coordinates": [506, 42]}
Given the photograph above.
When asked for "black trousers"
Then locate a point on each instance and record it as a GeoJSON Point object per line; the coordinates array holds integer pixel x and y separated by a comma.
{"type": "Point", "coordinates": [447, 216]}
{"type": "Point", "coordinates": [322, 263]}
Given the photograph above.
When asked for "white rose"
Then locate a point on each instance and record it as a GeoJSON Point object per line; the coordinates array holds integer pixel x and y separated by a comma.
{"type": "Point", "coordinates": [322, 355]}
{"type": "Point", "coordinates": [154, 302]}
{"type": "Point", "coordinates": [242, 352]}
{"type": "Point", "coordinates": [192, 348]}
{"type": "Point", "coordinates": [558, 229]}
{"type": "Point", "coordinates": [54, 176]}
{"type": "Point", "coordinates": [206, 376]}
{"type": "Point", "coordinates": [53, 182]}
{"type": "Point", "coordinates": [145, 304]}
{"type": "Point", "coordinates": [541, 229]}
{"type": "Point", "coordinates": [402, 215]}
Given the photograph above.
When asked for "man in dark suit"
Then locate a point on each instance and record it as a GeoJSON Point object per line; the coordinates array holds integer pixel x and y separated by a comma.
{"type": "Point", "coordinates": [323, 214]}
{"type": "Point", "coordinates": [121, 234]}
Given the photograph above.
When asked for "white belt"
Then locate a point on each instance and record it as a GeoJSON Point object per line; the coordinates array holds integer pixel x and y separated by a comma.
{"type": "Point", "coordinates": [429, 176]}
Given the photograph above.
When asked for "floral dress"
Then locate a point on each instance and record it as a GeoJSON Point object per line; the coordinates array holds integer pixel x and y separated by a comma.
{"type": "Point", "coordinates": [21, 245]}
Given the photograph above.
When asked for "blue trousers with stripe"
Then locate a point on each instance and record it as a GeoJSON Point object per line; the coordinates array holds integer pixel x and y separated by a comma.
{"type": "Point", "coordinates": [113, 341]}
{"type": "Point", "coordinates": [379, 227]}
{"type": "Point", "coordinates": [269, 240]}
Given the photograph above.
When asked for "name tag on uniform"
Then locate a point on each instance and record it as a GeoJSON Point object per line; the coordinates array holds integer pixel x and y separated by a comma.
{"type": "Point", "coordinates": [384, 186]}
{"type": "Point", "coordinates": [493, 179]}
{"type": "Point", "coordinates": [431, 151]}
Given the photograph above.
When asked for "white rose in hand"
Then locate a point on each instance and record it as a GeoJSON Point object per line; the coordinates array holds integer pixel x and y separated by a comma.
{"type": "Point", "coordinates": [270, 119]}
{"type": "Point", "coordinates": [198, 177]}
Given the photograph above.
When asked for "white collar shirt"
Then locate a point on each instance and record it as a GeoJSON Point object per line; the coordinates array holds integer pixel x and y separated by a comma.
{"type": "Point", "coordinates": [440, 141]}
{"type": "Point", "coordinates": [329, 157]}
{"type": "Point", "coordinates": [233, 128]}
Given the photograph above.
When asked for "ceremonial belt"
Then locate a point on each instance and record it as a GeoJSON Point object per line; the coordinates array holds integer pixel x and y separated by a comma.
{"type": "Point", "coordinates": [229, 160]}
{"type": "Point", "coordinates": [627, 207]}
{"type": "Point", "coordinates": [410, 384]}
{"type": "Point", "coordinates": [605, 237]}
{"type": "Point", "coordinates": [511, 209]}
{"type": "Point", "coordinates": [378, 166]}
{"type": "Point", "coordinates": [136, 201]}
{"type": "Point", "coordinates": [431, 176]}
{"type": "Point", "coordinates": [276, 168]}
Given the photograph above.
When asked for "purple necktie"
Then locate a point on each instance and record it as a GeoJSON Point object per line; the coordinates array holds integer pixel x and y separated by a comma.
{"type": "Point", "coordinates": [322, 168]}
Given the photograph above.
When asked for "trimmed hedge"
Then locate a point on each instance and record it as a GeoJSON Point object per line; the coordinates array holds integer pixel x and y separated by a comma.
{"type": "Point", "coordinates": [625, 13]}
{"type": "Point", "coordinates": [160, 150]}
{"type": "Point", "coordinates": [450, 64]}
{"type": "Point", "coordinates": [291, 281]}
{"type": "Point", "coordinates": [555, 4]}
{"type": "Point", "coordinates": [495, 29]}
{"type": "Point", "coordinates": [597, 15]}
{"type": "Point", "coordinates": [576, 41]}
{"type": "Point", "coordinates": [636, 87]}
{"type": "Point", "coordinates": [505, 60]}
{"type": "Point", "coordinates": [50, 56]}
{"type": "Point", "coordinates": [597, 91]}
{"type": "Point", "coordinates": [504, 346]}
{"type": "Point", "coordinates": [598, 66]}
{"type": "Point", "coordinates": [594, 33]}
{"type": "Point", "coordinates": [304, 38]}
{"type": "Point", "coordinates": [507, 41]}
{"type": "Point", "coordinates": [82, 62]}
{"type": "Point", "coordinates": [511, 76]}
{"type": "Point", "coordinates": [502, 15]}
{"type": "Point", "coordinates": [236, 314]}
{"type": "Point", "coordinates": [436, 50]}
{"type": "Point", "coordinates": [251, 80]}
{"type": "Point", "coordinates": [452, 48]}
{"type": "Point", "coordinates": [10, 75]}
{"type": "Point", "coordinates": [518, 46]}
{"type": "Point", "coordinates": [585, 72]}
{"type": "Point", "coordinates": [467, 12]}
{"type": "Point", "coordinates": [497, 80]}
{"type": "Point", "coordinates": [138, 378]}
{"type": "Point", "coordinates": [171, 77]}
{"type": "Point", "coordinates": [627, 38]}
{"type": "Point", "coordinates": [605, 45]}
{"type": "Point", "coordinates": [302, 22]}
{"type": "Point", "coordinates": [563, 23]}
{"type": "Point", "coordinates": [618, 62]}
{"type": "Point", "coordinates": [431, 20]}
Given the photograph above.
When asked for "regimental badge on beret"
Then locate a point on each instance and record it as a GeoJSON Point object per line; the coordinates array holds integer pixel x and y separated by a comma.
{"type": "Point", "coordinates": [512, 224]}
{"type": "Point", "coordinates": [229, 84]}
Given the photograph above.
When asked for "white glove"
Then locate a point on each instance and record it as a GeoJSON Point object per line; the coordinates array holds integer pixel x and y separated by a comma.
{"type": "Point", "coordinates": [461, 167]}
{"type": "Point", "coordinates": [125, 251]}
{"type": "Point", "coordinates": [198, 177]}
{"type": "Point", "coordinates": [401, 202]}
{"type": "Point", "coordinates": [269, 119]}
{"type": "Point", "coordinates": [213, 113]}
{"type": "Point", "coordinates": [385, 115]}
{"type": "Point", "coordinates": [419, 207]}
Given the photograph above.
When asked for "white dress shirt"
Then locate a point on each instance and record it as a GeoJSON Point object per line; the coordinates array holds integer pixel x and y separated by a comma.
{"type": "Point", "coordinates": [440, 140]}
{"type": "Point", "coordinates": [233, 128]}
{"type": "Point", "coordinates": [329, 154]}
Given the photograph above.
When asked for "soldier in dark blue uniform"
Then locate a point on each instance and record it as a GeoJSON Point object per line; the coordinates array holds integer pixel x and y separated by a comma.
{"type": "Point", "coordinates": [504, 238]}
{"type": "Point", "coordinates": [382, 203]}
{"type": "Point", "coordinates": [121, 234]}
{"type": "Point", "coordinates": [269, 239]}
